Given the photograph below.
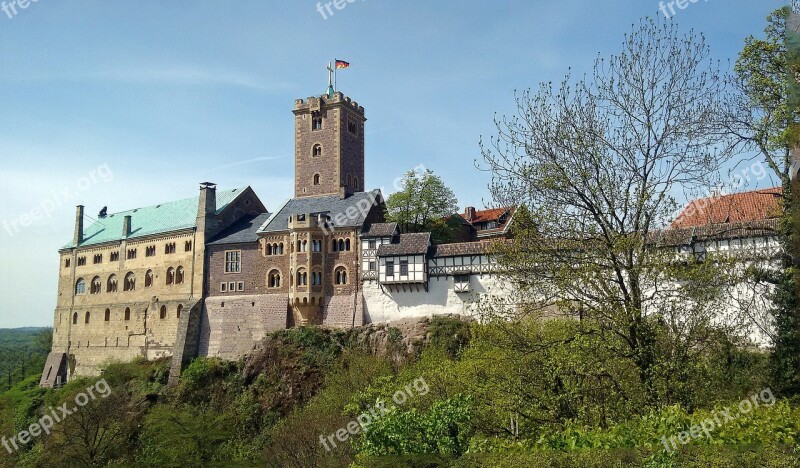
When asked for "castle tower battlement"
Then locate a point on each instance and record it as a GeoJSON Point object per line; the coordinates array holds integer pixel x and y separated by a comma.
{"type": "Point", "coordinates": [329, 146]}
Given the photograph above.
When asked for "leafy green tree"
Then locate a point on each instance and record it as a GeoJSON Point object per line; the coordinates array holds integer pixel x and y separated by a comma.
{"type": "Point", "coordinates": [595, 163]}
{"type": "Point", "coordinates": [423, 203]}
{"type": "Point", "coordinates": [766, 113]}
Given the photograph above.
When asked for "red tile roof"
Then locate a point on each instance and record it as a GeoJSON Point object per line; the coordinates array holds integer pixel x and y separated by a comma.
{"type": "Point", "coordinates": [746, 207]}
{"type": "Point", "coordinates": [486, 215]}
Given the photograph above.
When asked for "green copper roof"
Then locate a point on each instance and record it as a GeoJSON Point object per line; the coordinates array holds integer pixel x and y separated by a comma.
{"type": "Point", "coordinates": [152, 220]}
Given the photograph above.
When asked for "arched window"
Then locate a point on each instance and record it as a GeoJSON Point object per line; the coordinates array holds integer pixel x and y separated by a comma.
{"type": "Point", "coordinates": [108, 315]}
{"type": "Point", "coordinates": [349, 180]}
{"type": "Point", "coordinates": [334, 245]}
{"type": "Point", "coordinates": [340, 275]}
{"type": "Point", "coordinates": [180, 309]}
{"type": "Point", "coordinates": [341, 245]}
{"type": "Point", "coordinates": [162, 314]}
{"type": "Point", "coordinates": [316, 179]}
{"type": "Point", "coordinates": [179, 275]}
{"type": "Point", "coordinates": [112, 284]}
{"type": "Point", "coordinates": [316, 278]}
{"type": "Point", "coordinates": [130, 282]}
{"type": "Point", "coordinates": [148, 279]}
{"type": "Point", "coordinates": [80, 286]}
{"type": "Point", "coordinates": [75, 318]}
{"type": "Point", "coordinates": [87, 317]}
{"type": "Point", "coordinates": [317, 151]}
{"type": "Point", "coordinates": [127, 313]}
{"type": "Point", "coordinates": [355, 182]}
{"type": "Point", "coordinates": [302, 278]}
{"type": "Point", "coordinates": [274, 279]}
{"type": "Point", "coordinates": [170, 275]}
{"type": "Point", "coordinates": [280, 249]}
{"type": "Point", "coordinates": [347, 245]}
{"type": "Point", "coordinates": [269, 250]}
{"type": "Point", "coordinates": [96, 286]}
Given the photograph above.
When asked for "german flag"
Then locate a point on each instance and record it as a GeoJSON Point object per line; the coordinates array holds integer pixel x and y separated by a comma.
{"type": "Point", "coordinates": [342, 64]}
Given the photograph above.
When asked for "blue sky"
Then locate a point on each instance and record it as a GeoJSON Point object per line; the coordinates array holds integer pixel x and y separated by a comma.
{"type": "Point", "coordinates": [164, 95]}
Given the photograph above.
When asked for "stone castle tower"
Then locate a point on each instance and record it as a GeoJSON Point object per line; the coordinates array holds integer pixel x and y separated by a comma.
{"type": "Point", "coordinates": [329, 146]}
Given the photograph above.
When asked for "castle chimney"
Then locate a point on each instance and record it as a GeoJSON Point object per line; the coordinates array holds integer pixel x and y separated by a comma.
{"type": "Point", "coordinates": [78, 237]}
{"type": "Point", "coordinates": [208, 198]}
{"type": "Point", "coordinates": [126, 227]}
{"type": "Point", "coordinates": [470, 213]}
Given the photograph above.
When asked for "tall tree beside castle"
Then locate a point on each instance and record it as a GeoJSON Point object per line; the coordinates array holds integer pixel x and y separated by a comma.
{"type": "Point", "coordinates": [765, 119]}
{"type": "Point", "coordinates": [423, 203]}
{"type": "Point", "coordinates": [595, 163]}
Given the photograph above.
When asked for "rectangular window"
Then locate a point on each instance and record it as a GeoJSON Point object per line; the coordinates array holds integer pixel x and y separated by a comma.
{"type": "Point", "coordinates": [352, 127]}
{"type": "Point", "coordinates": [150, 251]}
{"type": "Point", "coordinates": [66, 263]}
{"type": "Point", "coordinates": [114, 256]}
{"type": "Point", "coordinates": [403, 267]}
{"type": "Point", "coordinates": [187, 247]}
{"type": "Point", "coordinates": [168, 249]}
{"type": "Point", "coordinates": [316, 123]}
{"type": "Point", "coordinates": [372, 244]}
{"type": "Point", "coordinates": [131, 254]}
{"type": "Point", "coordinates": [98, 258]}
{"type": "Point", "coordinates": [232, 287]}
{"type": "Point", "coordinates": [81, 261]}
{"type": "Point", "coordinates": [240, 286]}
{"type": "Point", "coordinates": [371, 266]}
{"type": "Point", "coordinates": [233, 261]}
{"type": "Point", "coordinates": [389, 268]}
{"type": "Point", "coordinates": [223, 287]}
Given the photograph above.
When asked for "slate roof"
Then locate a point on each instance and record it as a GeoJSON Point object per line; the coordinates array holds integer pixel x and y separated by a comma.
{"type": "Point", "coordinates": [688, 235]}
{"type": "Point", "coordinates": [409, 244]}
{"type": "Point", "coordinates": [461, 248]}
{"type": "Point", "coordinates": [245, 231]}
{"type": "Point", "coordinates": [346, 212]}
{"type": "Point", "coordinates": [756, 205]}
{"type": "Point", "coordinates": [157, 219]}
{"type": "Point", "coordinates": [380, 230]}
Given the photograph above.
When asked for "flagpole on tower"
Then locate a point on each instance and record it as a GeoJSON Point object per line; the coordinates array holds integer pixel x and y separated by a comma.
{"type": "Point", "coordinates": [330, 84]}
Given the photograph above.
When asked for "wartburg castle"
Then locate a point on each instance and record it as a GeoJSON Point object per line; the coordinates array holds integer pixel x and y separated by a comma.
{"type": "Point", "coordinates": [211, 275]}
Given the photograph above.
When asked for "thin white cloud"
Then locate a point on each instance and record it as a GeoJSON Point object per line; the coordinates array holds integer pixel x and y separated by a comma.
{"type": "Point", "coordinates": [179, 75]}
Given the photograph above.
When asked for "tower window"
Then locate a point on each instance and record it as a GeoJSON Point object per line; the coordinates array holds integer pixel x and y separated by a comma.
{"type": "Point", "coordinates": [316, 123]}
{"type": "Point", "coordinates": [352, 127]}
{"type": "Point", "coordinates": [317, 151]}
{"type": "Point", "coordinates": [316, 179]}
{"type": "Point", "coordinates": [80, 286]}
